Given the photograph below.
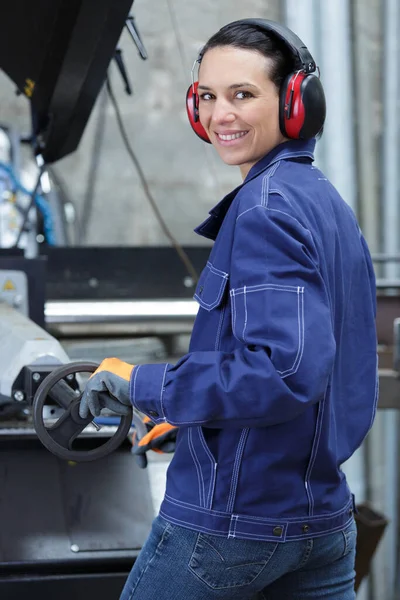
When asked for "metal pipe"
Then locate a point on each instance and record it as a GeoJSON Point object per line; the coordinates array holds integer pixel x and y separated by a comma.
{"type": "Point", "coordinates": [336, 64]}
{"type": "Point", "coordinates": [391, 222]}
{"type": "Point", "coordinates": [136, 317]}
{"type": "Point", "coordinates": [297, 17]}
{"type": "Point", "coordinates": [390, 149]}
{"type": "Point", "coordinates": [367, 161]}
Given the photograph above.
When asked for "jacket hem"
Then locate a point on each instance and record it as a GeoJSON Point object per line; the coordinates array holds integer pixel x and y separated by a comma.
{"type": "Point", "coordinates": [233, 525]}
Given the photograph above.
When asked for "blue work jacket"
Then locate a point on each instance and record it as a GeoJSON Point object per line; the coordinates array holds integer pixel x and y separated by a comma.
{"type": "Point", "coordinates": [280, 384]}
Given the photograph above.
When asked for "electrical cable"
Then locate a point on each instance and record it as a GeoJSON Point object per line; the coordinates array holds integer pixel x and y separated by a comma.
{"type": "Point", "coordinates": [57, 182]}
{"type": "Point", "coordinates": [180, 251]}
{"type": "Point", "coordinates": [97, 148]}
{"type": "Point", "coordinates": [35, 198]}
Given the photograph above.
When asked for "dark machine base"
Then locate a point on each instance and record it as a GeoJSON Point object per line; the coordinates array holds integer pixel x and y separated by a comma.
{"type": "Point", "coordinates": [107, 586]}
{"type": "Point", "coordinates": [68, 530]}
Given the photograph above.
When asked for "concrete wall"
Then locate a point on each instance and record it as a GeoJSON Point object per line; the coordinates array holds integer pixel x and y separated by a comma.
{"type": "Point", "coordinates": [185, 175]}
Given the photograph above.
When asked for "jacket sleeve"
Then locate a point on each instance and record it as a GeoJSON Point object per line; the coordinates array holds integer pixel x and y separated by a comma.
{"type": "Point", "coordinates": [282, 322]}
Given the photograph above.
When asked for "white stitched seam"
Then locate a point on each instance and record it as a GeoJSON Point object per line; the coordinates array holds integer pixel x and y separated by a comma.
{"type": "Point", "coordinates": [260, 520]}
{"type": "Point", "coordinates": [236, 467]}
{"type": "Point", "coordinates": [252, 535]}
{"type": "Point", "coordinates": [248, 210]}
{"type": "Point", "coordinates": [295, 155]}
{"type": "Point", "coordinates": [180, 423]}
{"type": "Point", "coordinates": [210, 306]}
{"type": "Point", "coordinates": [162, 391]}
{"type": "Point", "coordinates": [274, 191]}
{"type": "Point", "coordinates": [134, 386]}
{"type": "Point", "coordinates": [199, 527]}
{"type": "Point", "coordinates": [235, 525]}
{"type": "Point", "coordinates": [300, 325]}
{"type": "Point", "coordinates": [216, 271]}
{"type": "Point", "coordinates": [376, 396]}
{"type": "Point", "coordinates": [217, 339]}
{"type": "Point", "coordinates": [314, 452]}
{"type": "Point", "coordinates": [294, 219]}
{"type": "Point", "coordinates": [206, 448]}
{"type": "Point", "coordinates": [286, 199]}
{"type": "Point", "coordinates": [265, 190]}
{"type": "Point", "coordinates": [232, 523]}
{"type": "Point", "coordinates": [282, 212]}
{"type": "Point", "coordinates": [302, 536]}
{"type": "Point", "coordinates": [300, 318]}
{"type": "Point", "coordinates": [245, 315]}
{"type": "Point", "coordinates": [282, 195]}
{"type": "Point", "coordinates": [212, 461]}
{"type": "Point", "coordinates": [231, 497]}
{"type": "Point", "coordinates": [198, 469]}
{"type": "Point", "coordinates": [266, 286]}
{"type": "Point", "coordinates": [212, 486]}
{"type": "Point", "coordinates": [232, 294]}
{"type": "Point", "coordinates": [289, 520]}
{"type": "Point", "coordinates": [181, 504]}
{"type": "Point", "coordinates": [291, 537]}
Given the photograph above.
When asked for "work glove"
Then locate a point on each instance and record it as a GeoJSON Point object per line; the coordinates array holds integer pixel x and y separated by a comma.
{"type": "Point", "coordinates": [159, 438]}
{"type": "Point", "coordinates": [107, 387]}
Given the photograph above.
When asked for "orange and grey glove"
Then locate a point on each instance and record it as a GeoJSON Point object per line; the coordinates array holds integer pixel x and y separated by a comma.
{"type": "Point", "coordinates": [159, 438]}
{"type": "Point", "coordinates": [107, 387]}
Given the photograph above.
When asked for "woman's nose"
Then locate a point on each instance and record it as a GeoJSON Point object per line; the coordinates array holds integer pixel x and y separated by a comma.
{"type": "Point", "coordinates": [223, 112]}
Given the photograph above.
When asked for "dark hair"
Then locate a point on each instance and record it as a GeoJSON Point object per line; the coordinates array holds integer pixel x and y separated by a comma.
{"type": "Point", "coordinates": [252, 37]}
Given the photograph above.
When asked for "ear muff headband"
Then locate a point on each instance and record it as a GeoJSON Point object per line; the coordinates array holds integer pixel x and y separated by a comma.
{"type": "Point", "coordinates": [299, 50]}
{"type": "Point", "coordinates": [302, 107]}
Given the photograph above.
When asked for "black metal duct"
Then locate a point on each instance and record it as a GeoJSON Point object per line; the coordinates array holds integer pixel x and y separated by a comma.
{"type": "Point", "coordinates": [57, 53]}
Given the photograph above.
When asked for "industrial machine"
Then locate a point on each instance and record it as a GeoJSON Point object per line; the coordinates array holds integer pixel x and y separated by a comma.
{"type": "Point", "coordinates": [74, 518]}
{"type": "Point", "coordinates": [75, 506]}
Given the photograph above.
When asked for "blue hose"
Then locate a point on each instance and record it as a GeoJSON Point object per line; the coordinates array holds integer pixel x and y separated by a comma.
{"type": "Point", "coordinates": [40, 202]}
{"type": "Point", "coordinates": [110, 421]}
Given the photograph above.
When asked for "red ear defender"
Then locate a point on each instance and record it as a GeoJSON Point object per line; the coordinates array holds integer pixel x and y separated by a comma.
{"type": "Point", "coordinates": [192, 108]}
{"type": "Point", "coordinates": [302, 106]}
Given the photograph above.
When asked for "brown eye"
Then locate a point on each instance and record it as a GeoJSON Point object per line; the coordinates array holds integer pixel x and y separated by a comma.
{"type": "Point", "coordinates": [206, 96]}
{"type": "Point", "coordinates": [243, 95]}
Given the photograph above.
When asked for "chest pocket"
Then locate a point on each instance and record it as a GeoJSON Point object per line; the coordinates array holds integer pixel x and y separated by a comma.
{"type": "Point", "coordinates": [211, 287]}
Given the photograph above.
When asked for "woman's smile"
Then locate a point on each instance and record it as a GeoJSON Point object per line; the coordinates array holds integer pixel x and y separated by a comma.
{"type": "Point", "coordinates": [239, 105]}
{"type": "Point", "coordinates": [231, 138]}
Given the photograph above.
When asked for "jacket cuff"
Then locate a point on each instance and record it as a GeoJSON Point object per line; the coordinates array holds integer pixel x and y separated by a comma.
{"type": "Point", "coordinates": [146, 390]}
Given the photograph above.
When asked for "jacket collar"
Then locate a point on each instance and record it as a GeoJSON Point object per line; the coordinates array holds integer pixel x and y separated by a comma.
{"type": "Point", "coordinates": [285, 151]}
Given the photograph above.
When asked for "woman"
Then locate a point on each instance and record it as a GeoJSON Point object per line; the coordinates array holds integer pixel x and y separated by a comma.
{"type": "Point", "coordinates": [279, 386]}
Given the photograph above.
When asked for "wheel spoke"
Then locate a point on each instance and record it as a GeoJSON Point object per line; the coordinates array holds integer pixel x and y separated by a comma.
{"type": "Point", "coordinates": [67, 428]}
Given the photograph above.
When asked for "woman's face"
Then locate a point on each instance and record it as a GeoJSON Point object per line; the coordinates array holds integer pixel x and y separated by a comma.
{"type": "Point", "coordinates": [239, 105]}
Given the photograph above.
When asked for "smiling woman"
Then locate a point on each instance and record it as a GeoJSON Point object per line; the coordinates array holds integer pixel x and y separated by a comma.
{"type": "Point", "coordinates": [279, 386]}
{"type": "Point", "coordinates": [239, 104]}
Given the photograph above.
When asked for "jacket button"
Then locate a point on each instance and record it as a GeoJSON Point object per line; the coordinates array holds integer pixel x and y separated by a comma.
{"type": "Point", "coordinates": [153, 413]}
{"type": "Point", "coordinates": [277, 531]}
{"type": "Point", "coordinates": [306, 528]}
{"type": "Point", "coordinates": [201, 288]}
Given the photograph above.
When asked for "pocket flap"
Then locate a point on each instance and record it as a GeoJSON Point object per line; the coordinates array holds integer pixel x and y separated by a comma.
{"type": "Point", "coordinates": [211, 287]}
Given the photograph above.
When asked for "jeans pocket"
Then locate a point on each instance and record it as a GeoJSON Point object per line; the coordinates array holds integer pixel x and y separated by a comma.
{"type": "Point", "coordinates": [223, 563]}
{"type": "Point", "coordinates": [349, 538]}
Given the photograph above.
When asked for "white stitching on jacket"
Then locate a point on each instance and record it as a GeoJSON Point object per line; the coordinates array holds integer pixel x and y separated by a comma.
{"type": "Point", "coordinates": [198, 468]}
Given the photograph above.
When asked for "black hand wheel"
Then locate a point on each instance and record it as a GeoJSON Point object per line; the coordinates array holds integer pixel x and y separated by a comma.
{"type": "Point", "coordinates": [59, 438]}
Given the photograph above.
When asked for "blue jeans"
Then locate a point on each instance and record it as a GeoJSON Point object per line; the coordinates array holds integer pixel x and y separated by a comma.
{"type": "Point", "coordinates": [181, 564]}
